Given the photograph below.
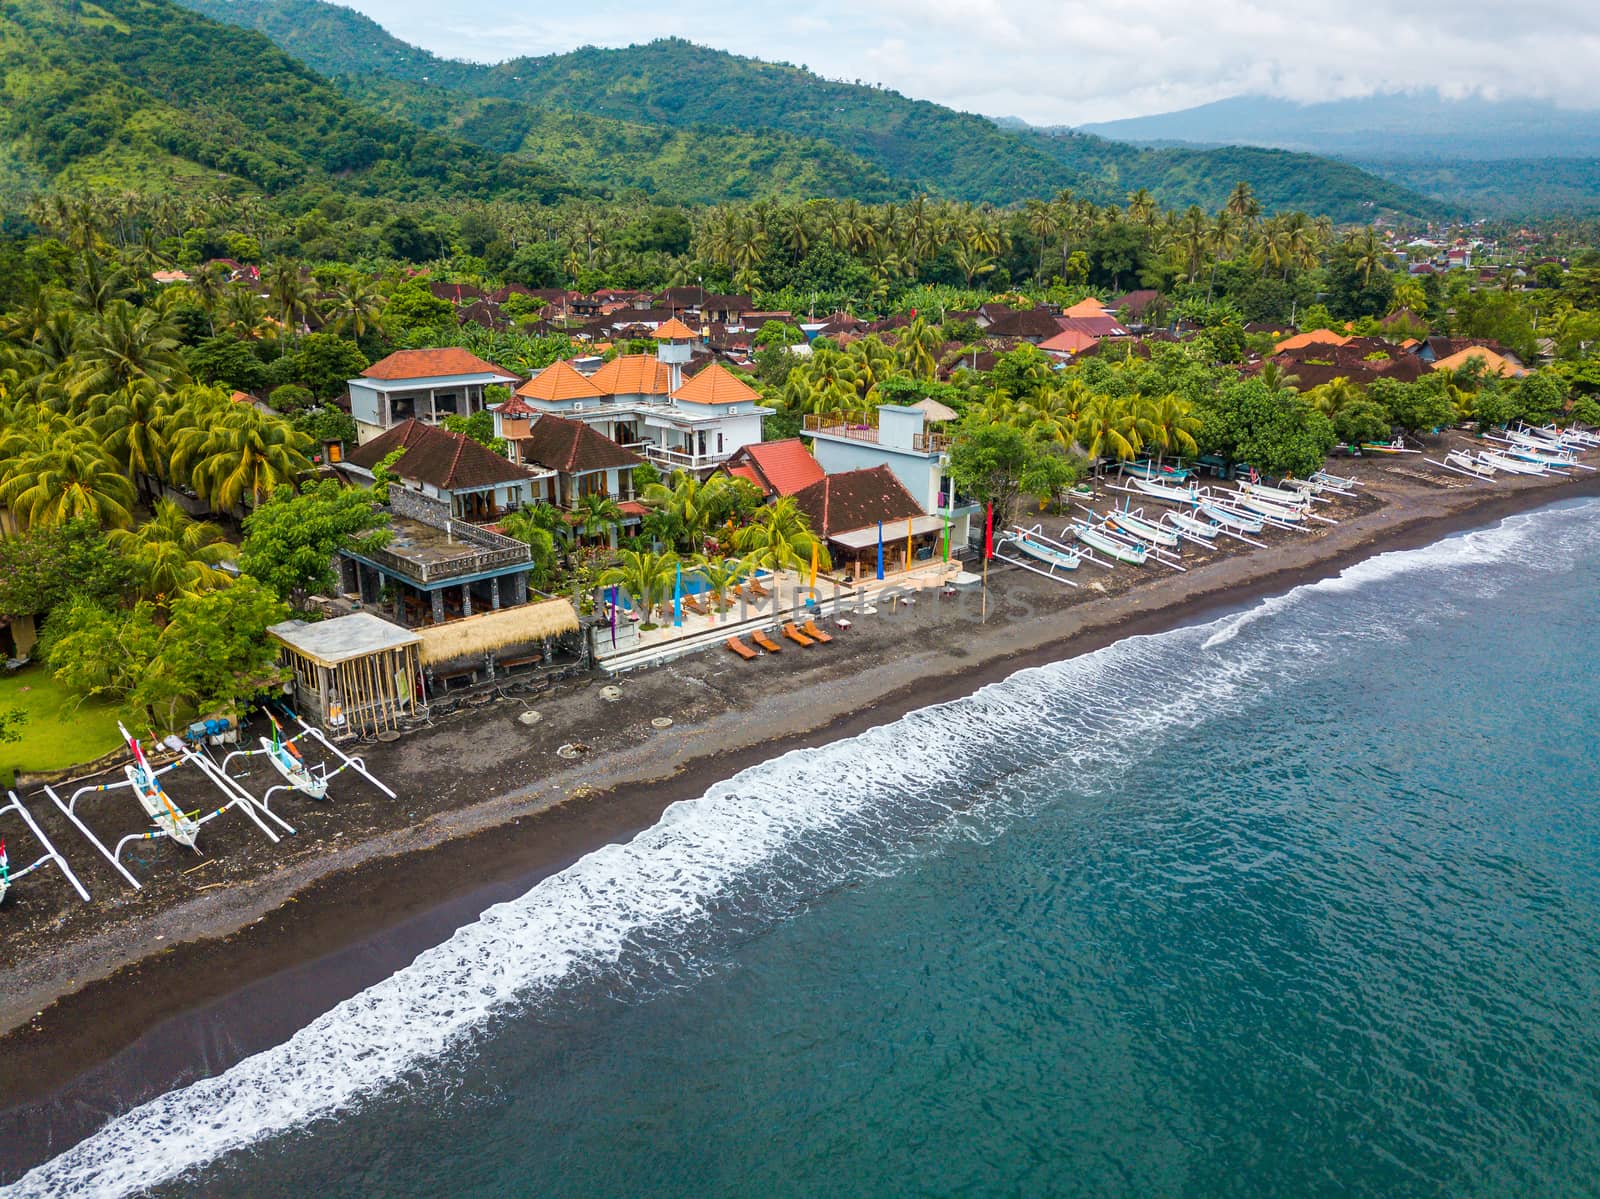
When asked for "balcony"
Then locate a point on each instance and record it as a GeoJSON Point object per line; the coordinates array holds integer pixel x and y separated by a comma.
{"type": "Point", "coordinates": [680, 460]}
{"type": "Point", "coordinates": [833, 426]}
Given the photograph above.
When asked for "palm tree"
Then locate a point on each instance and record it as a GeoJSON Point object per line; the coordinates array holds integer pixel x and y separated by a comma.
{"type": "Point", "coordinates": [355, 308]}
{"type": "Point", "coordinates": [241, 311]}
{"type": "Point", "coordinates": [125, 345]}
{"type": "Point", "coordinates": [130, 426]}
{"type": "Point", "coordinates": [916, 351]}
{"type": "Point", "coordinates": [239, 457]}
{"type": "Point", "coordinates": [1242, 205]}
{"type": "Point", "coordinates": [1370, 253]}
{"type": "Point", "coordinates": [597, 513]}
{"type": "Point", "coordinates": [779, 537]}
{"type": "Point", "coordinates": [65, 476]}
{"type": "Point", "coordinates": [1044, 222]}
{"type": "Point", "coordinates": [1334, 395]}
{"type": "Point", "coordinates": [690, 503]}
{"type": "Point", "coordinates": [645, 575]}
{"type": "Point", "coordinates": [972, 262]}
{"type": "Point", "coordinates": [1173, 425]}
{"type": "Point", "coordinates": [1112, 427]}
{"type": "Point", "coordinates": [720, 575]}
{"type": "Point", "coordinates": [174, 554]}
{"type": "Point", "coordinates": [525, 525]}
{"type": "Point", "coordinates": [1277, 379]}
{"type": "Point", "coordinates": [289, 291]}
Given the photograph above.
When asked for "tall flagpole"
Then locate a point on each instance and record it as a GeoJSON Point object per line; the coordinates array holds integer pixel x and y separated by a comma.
{"type": "Point", "coordinates": [988, 548]}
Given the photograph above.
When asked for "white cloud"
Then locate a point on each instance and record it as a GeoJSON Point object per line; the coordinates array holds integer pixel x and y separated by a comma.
{"type": "Point", "coordinates": [1071, 61]}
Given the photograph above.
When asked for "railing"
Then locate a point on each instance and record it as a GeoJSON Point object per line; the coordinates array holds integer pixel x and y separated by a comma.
{"type": "Point", "coordinates": [921, 443]}
{"type": "Point", "coordinates": [482, 549]}
{"type": "Point", "coordinates": [671, 457]}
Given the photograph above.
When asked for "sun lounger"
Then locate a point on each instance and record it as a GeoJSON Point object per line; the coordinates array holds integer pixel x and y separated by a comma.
{"type": "Point", "coordinates": [758, 590]}
{"type": "Point", "coordinates": [740, 648]}
{"type": "Point", "coordinates": [815, 633]}
{"type": "Point", "coordinates": [694, 605]}
{"type": "Point", "coordinates": [795, 635]}
{"type": "Point", "coordinates": [765, 642]}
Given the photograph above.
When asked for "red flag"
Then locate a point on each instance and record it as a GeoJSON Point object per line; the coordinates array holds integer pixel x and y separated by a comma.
{"type": "Point", "coordinates": [988, 531]}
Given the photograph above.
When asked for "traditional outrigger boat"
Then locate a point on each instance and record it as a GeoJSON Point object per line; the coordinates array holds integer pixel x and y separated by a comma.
{"type": "Point", "coordinates": [1270, 509]}
{"type": "Point", "coordinates": [1050, 555]}
{"type": "Point", "coordinates": [1102, 540]}
{"type": "Point", "coordinates": [1149, 470]}
{"type": "Point", "coordinates": [1397, 446]}
{"type": "Point", "coordinates": [1165, 491]}
{"type": "Point", "coordinates": [166, 815]}
{"type": "Point", "coordinates": [1134, 525]}
{"type": "Point", "coordinates": [286, 760]}
{"type": "Point", "coordinates": [1510, 464]}
{"type": "Point", "coordinates": [1231, 518]}
{"type": "Point", "coordinates": [1192, 525]}
{"type": "Point", "coordinates": [1276, 495]}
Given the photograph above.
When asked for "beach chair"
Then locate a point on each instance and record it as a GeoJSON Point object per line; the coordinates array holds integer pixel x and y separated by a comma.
{"type": "Point", "coordinates": [694, 605]}
{"type": "Point", "coordinates": [816, 634]}
{"type": "Point", "coordinates": [795, 635]}
{"type": "Point", "coordinates": [740, 648]}
{"type": "Point", "coordinates": [757, 590]}
{"type": "Point", "coordinates": [765, 642]}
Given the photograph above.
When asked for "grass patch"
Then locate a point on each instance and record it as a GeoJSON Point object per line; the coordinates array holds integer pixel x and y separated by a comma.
{"type": "Point", "coordinates": [58, 732]}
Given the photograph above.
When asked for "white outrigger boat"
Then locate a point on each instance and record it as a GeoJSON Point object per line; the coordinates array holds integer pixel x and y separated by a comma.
{"type": "Point", "coordinates": [1270, 509]}
{"type": "Point", "coordinates": [286, 760]}
{"type": "Point", "coordinates": [1150, 471]}
{"type": "Point", "coordinates": [51, 854]}
{"type": "Point", "coordinates": [1192, 526]}
{"type": "Point", "coordinates": [1135, 525]}
{"type": "Point", "coordinates": [1230, 517]}
{"type": "Point", "coordinates": [168, 818]}
{"type": "Point", "coordinates": [1462, 463]}
{"type": "Point", "coordinates": [1114, 547]}
{"type": "Point", "coordinates": [1298, 500]}
{"type": "Point", "coordinates": [1510, 464]}
{"type": "Point", "coordinates": [1165, 491]}
{"type": "Point", "coordinates": [1342, 484]}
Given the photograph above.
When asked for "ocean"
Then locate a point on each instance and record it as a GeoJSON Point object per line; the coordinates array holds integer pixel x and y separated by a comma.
{"type": "Point", "coordinates": [1302, 900]}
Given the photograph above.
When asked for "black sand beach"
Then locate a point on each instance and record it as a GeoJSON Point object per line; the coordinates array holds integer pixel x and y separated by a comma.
{"type": "Point", "coordinates": [104, 1005]}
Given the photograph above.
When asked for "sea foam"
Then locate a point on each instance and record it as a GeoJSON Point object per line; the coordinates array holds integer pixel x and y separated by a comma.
{"type": "Point", "coordinates": [762, 841]}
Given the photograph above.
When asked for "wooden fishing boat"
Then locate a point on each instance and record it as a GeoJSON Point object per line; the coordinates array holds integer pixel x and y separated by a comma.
{"type": "Point", "coordinates": [1136, 526]}
{"type": "Point", "coordinates": [1062, 559]}
{"type": "Point", "coordinates": [1100, 539]}
{"type": "Point", "coordinates": [1166, 492]}
{"type": "Point", "coordinates": [1505, 462]}
{"type": "Point", "coordinates": [1232, 518]}
{"type": "Point", "coordinates": [1276, 495]}
{"type": "Point", "coordinates": [1334, 482]}
{"type": "Point", "coordinates": [1269, 509]}
{"type": "Point", "coordinates": [1397, 446]}
{"type": "Point", "coordinates": [295, 772]}
{"type": "Point", "coordinates": [165, 814]}
{"type": "Point", "coordinates": [1149, 470]}
{"type": "Point", "coordinates": [1192, 525]}
{"type": "Point", "coordinates": [1461, 460]}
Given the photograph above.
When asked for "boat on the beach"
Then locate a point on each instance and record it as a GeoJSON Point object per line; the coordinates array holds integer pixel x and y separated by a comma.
{"type": "Point", "coordinates": [1269, 509]}
{"type": "Point", "coordinates": [1397, 446]}
{"type": "Point", "coordinates": [1029, 544]}
{"type": "Point", "coordinates": [1134, 525]}
{"type": "Point", "coordinates": [166, 815]}
{"type": "Point", "coordinates": [1341, 483]}
{"type": "Point", "coordinates": [1101, 539]}
{"type": "Point", "coordinates": [1230, 517]}
{"type": "Point", "coordinates": [1165, 491]}
{"type": "Point", "coordinates": [1150, 471]}
{"type": "Point", "coordinates": [286, 760]}
{"type": "Point", "coordinates": [1460, 460]}
{"type": "Point", "coordinates": [1192, 525]}
{"type": "Point", "coordinates": [1510, 464]}
{"type": "Point", "coordinates": [1276, 495]}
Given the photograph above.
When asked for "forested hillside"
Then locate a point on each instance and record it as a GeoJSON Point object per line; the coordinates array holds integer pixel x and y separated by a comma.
{"type": "Point", "coordinates": [135, 93]}
{"type": "Point", "coordinates": [920, 146]}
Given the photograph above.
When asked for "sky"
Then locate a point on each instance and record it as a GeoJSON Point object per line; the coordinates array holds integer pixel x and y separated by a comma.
{"type": "Point", "coordinates": [1074, 61]}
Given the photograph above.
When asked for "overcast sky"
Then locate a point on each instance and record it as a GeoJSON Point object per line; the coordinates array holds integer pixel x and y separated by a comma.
{"type": "Point", "coordinates": [1074, 61]}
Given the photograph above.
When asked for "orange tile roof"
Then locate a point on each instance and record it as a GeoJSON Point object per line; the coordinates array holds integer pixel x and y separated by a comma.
{"type": "Point", "coordinates": [748, 474]}
{"type": "Point", "coordinates": [1326, 337]}
{"type": "Point", "coordinates": [715, 385]}
{"type": "Point", "coordinates": [1493, 363]}
{"type": "Point", "coordinates": [1069, 341]}
{"type": "Point", "coordinates": [674, 330]}
{"type": "Point", "coordinates": [633, 374]}
{"type": "Point", "coordinates": [430, 364]}
{"type": "Point", "coordinates": [1088, 307]}
{"type": "Point", "coordinates": [785, 465]}
{"type": "Point", "coordinates": [559, 381]}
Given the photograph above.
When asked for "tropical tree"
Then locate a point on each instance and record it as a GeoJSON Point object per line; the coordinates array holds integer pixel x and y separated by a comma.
{"type": "Point", "coordinates": [124, 345]}
{"type": "Point", "coordinates": [647, 576]}
{"type": "Point", "coordinates": [597, 513]}
{"type": "Point", "coordinates": [233, 455]}
{"type": "Point", "coordinates": [779, 537]}
{"type": "Point", "coordinates": [65, 475]}
{"type": "Point", "coordinates": [173, 554]}
{"type": "Point", "coordinates": [354, 308]}
{"type": "Point", "coordinates": [1173, 425]}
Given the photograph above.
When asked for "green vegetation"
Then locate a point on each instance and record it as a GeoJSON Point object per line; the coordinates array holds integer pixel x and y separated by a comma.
{"type": "Point", "coordinates": [58, 730]}
{"type": "Point", "coordinates": [779, 112]}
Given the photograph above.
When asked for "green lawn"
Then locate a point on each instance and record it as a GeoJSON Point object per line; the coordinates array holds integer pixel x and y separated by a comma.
{"type": "Point", "coordinates": [56, 734]}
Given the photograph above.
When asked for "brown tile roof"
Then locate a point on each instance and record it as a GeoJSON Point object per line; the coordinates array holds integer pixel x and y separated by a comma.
{"type": "Point", "coordinates": [1135, 301]}
{"type": "Point", "coordinates": [674, 330]}
{"type": "Point", "coordinates": [572, 447]}
{"type": "Point", "coordinates": [448, 461]}
{"type": "Point", "coordinates": [560, 381]}
{"type": "Point", "coordinates": [856, 499]}
{"type": "Point", "coordinates": [430, 364]}
{"type": "Point", "coordinates": [1031, 322]}
{"type": "Point", "coordinates": [1312, 337]}
{"type": "Point", "coordinates": [1086, 307]}
{"type": "Point", "coordinates": [715, 384]}
{"type": "Point", "coordinates": [777, 467]}
{"type": "Point", "coordinates": [1069, 341]}
{"type": "Point", "coordinates": [633, 374]}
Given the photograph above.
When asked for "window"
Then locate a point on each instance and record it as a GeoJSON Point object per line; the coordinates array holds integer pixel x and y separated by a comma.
{"type": "Point", "coordinates": [719, 443]}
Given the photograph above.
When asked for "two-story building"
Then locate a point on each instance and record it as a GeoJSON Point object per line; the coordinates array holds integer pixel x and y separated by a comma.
{"type": "Point", "coordinates": [898, 438]}
{"type": "Point", "coordinates": [423, 385]}
{"type": "Point", "coordinates": [646, 403]}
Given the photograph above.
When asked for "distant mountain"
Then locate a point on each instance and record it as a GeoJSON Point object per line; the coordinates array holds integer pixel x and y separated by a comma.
{"type": "Point", "coordinates": [1411, 126]}
{"type": "Point", "coordinates": [145, 93]}
{"type": "Point", "coordinates": [915, 145]}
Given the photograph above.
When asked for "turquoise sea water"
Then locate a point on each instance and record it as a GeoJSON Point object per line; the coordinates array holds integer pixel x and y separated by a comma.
{"type": "Point", "coordinates": [1303, 901]}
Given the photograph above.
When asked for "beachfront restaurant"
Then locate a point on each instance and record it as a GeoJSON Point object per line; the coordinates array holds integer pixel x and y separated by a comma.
{"type": "Point", "coordinates": [357, 674]}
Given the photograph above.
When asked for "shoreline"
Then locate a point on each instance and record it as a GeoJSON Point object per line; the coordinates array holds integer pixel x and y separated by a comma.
{"type": "Point", "coordinates": [124, 1037]}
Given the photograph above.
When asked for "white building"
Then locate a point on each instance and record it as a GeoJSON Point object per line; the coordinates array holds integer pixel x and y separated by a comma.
{"type": "Point", "coordinates": [423, 385]}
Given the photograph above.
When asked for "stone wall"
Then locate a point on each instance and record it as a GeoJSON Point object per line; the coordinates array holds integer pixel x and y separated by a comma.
{"type": "Point", "coordinates": [419, 507]}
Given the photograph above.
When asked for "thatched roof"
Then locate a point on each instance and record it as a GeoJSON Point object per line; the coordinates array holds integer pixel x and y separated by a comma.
{"type": "Point", "coordinates": [495, 630]}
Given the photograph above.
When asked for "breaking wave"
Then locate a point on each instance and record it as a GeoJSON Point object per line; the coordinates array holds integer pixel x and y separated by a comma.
{"type": "Point", "coordinates": [755, 848]}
